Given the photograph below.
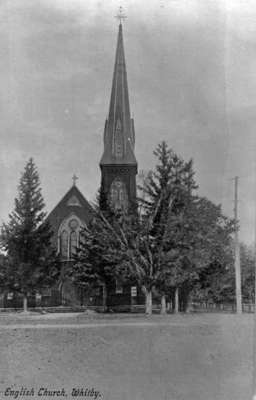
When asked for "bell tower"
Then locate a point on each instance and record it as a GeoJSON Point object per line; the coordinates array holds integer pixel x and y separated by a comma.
{"type": "Point", "coordinates": [118, 163]}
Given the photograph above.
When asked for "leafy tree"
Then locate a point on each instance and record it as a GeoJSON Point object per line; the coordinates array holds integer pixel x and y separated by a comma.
{"type": "Point", "coordinates": [99, 260]}
{"type": "Point", "coordinates": [31, 261]}
{"type": "Point", "coordinates": [216, 283]}
{"type": "Point", "coordinates": [248, 272]}
{"type": "Point", "coordinates": [206, 243]}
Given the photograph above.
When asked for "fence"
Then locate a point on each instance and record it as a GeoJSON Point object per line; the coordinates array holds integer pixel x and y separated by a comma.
{"type": "Point", "coordinates": [195, 307]}
{"type": "Point", "coordinates": [219, 307]}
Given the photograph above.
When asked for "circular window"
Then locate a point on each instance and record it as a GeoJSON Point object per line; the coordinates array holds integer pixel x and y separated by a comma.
{"type": "Point", "coordinates": [73, 224]}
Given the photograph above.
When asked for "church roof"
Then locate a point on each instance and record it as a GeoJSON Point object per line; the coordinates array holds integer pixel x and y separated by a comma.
{"type": "Point", "coordinates": [73, 202]}
{"type": "Point", "coordinates": [119, 135]}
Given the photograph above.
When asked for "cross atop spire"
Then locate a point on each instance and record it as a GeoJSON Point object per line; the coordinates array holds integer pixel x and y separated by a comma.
{"type": "Point", "coordinates": [120, 16]}
{"type": "Point", "coordinates": [74, 179]}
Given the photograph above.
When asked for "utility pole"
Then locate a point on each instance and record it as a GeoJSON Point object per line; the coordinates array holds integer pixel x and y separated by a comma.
{"type": "Point", "coordinates": [237, 253]}
{"type": "Point", "coordinates": [254, 323]}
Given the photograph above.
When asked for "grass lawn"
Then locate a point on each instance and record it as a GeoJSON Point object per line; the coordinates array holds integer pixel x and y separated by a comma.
{"type": "Point", "coordinates": [184, 357]}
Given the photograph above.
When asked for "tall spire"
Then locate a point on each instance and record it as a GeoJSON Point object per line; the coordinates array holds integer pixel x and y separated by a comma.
{"type": "Point", "coordinates": [119, 137]}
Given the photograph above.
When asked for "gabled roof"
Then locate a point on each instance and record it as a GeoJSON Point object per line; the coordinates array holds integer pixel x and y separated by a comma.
{"type": "Point", "coordinates": [73, 202]}
{"type": "Point", "coordinates": [119, 135]}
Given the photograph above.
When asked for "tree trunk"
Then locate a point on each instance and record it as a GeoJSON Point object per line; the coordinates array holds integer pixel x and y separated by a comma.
{"type": "Point", "coordinates": [187, 304]}
{"type": "Point", "coordinates": [176, 306]}
{"type": "Point", "coordinates": [148, 294]}
{"type": "Point", "coordinates": [163, 305]}
{"type": "Point", "coordinates": [25, 303]}
{"type": "Point", "coordinates": [104, 297]}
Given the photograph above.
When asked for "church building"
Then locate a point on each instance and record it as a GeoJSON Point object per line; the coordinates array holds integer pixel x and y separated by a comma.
{"type": "Point", "coordinates": [118, 167]}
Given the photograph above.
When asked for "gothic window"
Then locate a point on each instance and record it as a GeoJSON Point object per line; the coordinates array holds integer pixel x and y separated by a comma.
{"type": "Point", "coordinates": [118, 195]}
{"type": "Point", "coordinates": [68, 236]}
{"type": "Point", "coordinates": [73, 243]}
{"type": "Point", "coordinates": [114, 194]}
{"type": "Point", "coordinates": [119, 150]}
{"type": "Point", "coordinates": [73, 224]}
{"type": "Point", "coordinates": [64, 244]}
{"type": "Point", "coordinates": [118, 139]}
{"type": "Point", "coordinates": [121, 195]}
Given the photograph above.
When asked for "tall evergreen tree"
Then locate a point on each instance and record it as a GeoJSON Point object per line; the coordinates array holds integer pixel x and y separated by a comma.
{"type": "Point", "coordinates": [165, 196]}
{"type": "Point", "coordinates": [31, 261]}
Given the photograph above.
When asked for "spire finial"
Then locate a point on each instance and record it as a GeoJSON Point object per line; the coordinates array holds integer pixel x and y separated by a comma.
{"type": "Point", "coordinates": [121, 16]}
{"type": "Point", "coordinates": [74, 179]}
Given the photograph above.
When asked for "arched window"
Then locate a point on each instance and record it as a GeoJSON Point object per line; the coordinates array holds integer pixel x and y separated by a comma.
{"type": "Point", "coordinates": [68, 236]}
{"type": "Point", "coordinates": [118, 140]}
{"type": "Point", "coordinates": [118, 195]}
{"type": "Point", "coordinates": [121, 195]}
{"type": "Point", "coordinates": [64, 244]}
{"type": "Point", "coordinates": [73, 243]}
{"type": "Point", "coordinates": [114, 194]}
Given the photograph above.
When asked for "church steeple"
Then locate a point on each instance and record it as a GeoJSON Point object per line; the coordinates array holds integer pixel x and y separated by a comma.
{"type": "Point", "coordinates": [119, 136]}
{"type": "Point", "coordinates": [118, 163]}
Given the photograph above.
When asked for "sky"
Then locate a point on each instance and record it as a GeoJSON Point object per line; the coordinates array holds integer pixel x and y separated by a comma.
{"type": "Point", "coordinates": [192, 81]}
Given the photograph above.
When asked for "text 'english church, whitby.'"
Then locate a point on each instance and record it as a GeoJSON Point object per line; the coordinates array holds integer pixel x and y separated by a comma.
{"type": "Point", "coordinates": [118, 168]}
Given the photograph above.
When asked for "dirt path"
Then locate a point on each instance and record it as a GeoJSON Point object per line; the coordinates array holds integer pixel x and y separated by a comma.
{"type": "Point", "coordinates": [91, 325]}
{"type": "Point", "coordinates": [192, 357]}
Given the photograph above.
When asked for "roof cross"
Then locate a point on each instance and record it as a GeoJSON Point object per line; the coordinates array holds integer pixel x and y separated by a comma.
{"type": "Point", "coordinates": [74, 178]}
{"type": "Point", "coordinates": [121, 16]}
